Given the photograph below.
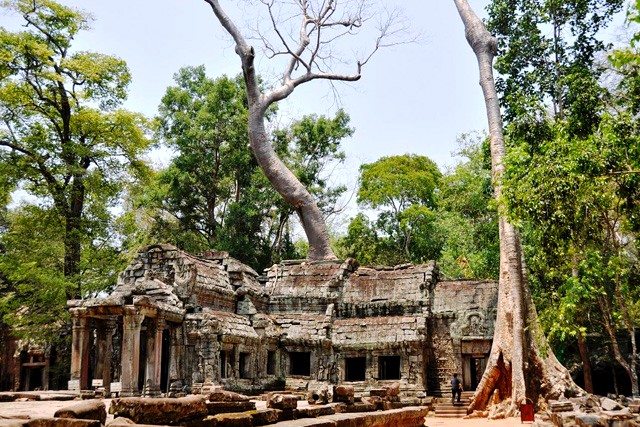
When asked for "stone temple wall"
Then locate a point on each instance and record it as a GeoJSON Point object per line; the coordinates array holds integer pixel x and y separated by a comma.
{"type": "Point", "coordinates": [191, 322]}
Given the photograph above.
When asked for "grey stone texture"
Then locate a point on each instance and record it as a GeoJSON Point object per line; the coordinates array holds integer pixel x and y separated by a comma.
{"type": "Point", "coordinates": [177, 323]}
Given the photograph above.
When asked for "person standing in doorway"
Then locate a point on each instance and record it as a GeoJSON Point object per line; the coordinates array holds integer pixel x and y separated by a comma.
{"type": "Point", "coordinates": [456, 389]}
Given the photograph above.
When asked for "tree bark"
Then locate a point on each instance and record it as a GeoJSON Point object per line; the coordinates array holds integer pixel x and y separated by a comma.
{"type": "Point", "coordinates": [282, 179]}
{"type": "Point", "coordinates": [521, 367]}
{"type": "Point", "coordinates": [629, 367]}
{"type": "Point", "coordinates": [586, 363]}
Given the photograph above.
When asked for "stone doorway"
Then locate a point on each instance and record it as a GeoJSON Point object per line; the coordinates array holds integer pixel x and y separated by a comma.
{"type": "Point", "coordinates": [477, 365]}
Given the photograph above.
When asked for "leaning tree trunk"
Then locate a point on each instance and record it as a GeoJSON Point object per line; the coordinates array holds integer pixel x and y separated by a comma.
{"type": "Point", "coordinates": [289, 187]}
{"type": "Point", "coordinates": [521, 365]}
{"type": "Point", "coordinates": [280, 177]}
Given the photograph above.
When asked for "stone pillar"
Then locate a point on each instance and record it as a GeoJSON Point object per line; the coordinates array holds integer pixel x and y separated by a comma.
{"type": "Point", "coordinates": [110, 330]}
{"type": "Point", "coordinates": [154, 358]}
{"type": "Point", "coordinates": [79, 352]}
{"type": "Point", "coordinates": [131, 324]}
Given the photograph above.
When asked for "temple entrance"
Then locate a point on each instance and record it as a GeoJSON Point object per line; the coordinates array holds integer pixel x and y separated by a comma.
{"type": "Point", "coordinates": [477, 365]}
{"type": "Point", "coordinates": [475, 353]}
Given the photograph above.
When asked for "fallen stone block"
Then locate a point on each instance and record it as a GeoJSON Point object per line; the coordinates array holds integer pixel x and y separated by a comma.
{"type": "Point", "coordinates": [314, 411]}
{"type": "Point", "coordinates": [405, 417]}
{"type": "Point", "coordinates": [85, 410]}
{"type": "Point", "coordinates": [590, 420]}
{"type": "Point", "coordinates": [7, 397]}
{"type": "Point", "coordinates": [214, 408]}
{"type": "Point", "coordinates": [119, 421]}
{"type": "Point", "coordinates": [264, 417]}
{"type": "Point", "coordinates": [560, 406]}
{"type": "Point", "coordinates": [378, 392]}
{"type": "Point", "coordinates": [209, 421]}
{"type": "Point", "coordinates": [13, 422]}
{"type": "Point", "coordinates": [159, 411]}
{"type": "Point", "coordinates": [361, 407]}
{"type": "Point", "coordinates": [227, 396]}
{"type": "Point", "coordinates": [339, 408]}
{"type": "Point", "coordinates": [62, 422]}
{"type": "Point", "coordinates": [282, 401]}
{"type": "Point", "coordinates": [609, 404]}
{"type": "Point", "coordinates": [57, 397]}
{"type": "Point", "coordinates": [344, 393]}
{"type": "Point", "coordinates": [393, 390]}
{"type": "Point", "coordinates": [233, 420]}
{"type": "Point", "coordinates": [125, 422]}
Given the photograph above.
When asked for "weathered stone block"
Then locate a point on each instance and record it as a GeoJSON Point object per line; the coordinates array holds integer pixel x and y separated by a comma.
{"type": "Point", "coordinates": [590, 420]}
{"type": "Point", "coordinates": [560, 406]}
{"type": "Point", "coordinates": [227, 396]}
{"type": "Point", "coordinates": [62, 422]}
{"type": "Point", "coordinates": [344, 393]}
{"type": "Point", "coordinates": [233, 420]}
{"type": "Point", "coordinates": [361, 407]}
{"type": "Point", "coordinates": [160, 411]}
{"type": "Point", "coordinates": [224, 407]}
{"type": "Point", "coordinates": [264, 417]}
{"type": "Point", "coordinates": [282, 401]}
{"type": "Point", "coordinates": [314, 411]}
{"type": "Point", "coordinates": [609, 404]}
{"type": "Point", "coordinates": [85, 410]}
{"type": "Point", "coordinates": [12, 422]}
{"type": "Point", "coordinates": [119, 421]}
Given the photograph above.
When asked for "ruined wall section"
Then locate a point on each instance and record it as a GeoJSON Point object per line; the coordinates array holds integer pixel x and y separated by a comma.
{"type": "Point", "coordinates": [461, 324]}
{"type": "Point", "coordinates": [340, 312]}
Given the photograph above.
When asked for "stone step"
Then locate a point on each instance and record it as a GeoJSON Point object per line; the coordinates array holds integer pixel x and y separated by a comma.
{"type": "Point", "coordinates": [452, 410]}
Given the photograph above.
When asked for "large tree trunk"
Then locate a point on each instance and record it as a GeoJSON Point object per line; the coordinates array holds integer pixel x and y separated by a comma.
{"type": "Point", "coordinates": [282, 179]}
{"type": "Point", "coordinates": [521, 367]}
{"type": "Point", "coordinates": [586, 363]}
{"type": "Point", "coordinates": [289, 187]}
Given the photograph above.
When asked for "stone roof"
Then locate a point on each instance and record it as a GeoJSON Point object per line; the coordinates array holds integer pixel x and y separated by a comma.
{"type": "Point", "coordinates": [168, 279]}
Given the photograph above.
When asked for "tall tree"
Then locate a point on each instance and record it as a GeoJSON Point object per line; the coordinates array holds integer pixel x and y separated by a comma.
{"type": "Point", "coordinates": [521, 366]}
{"type": "Point", "coordinates": [62, 135]}
{"type": "Point", "coordinates": [402, 190]}
{"type": "Point", "coordinates": [213, 194]}
{"type": "Point", "coordinates": [307, 45]}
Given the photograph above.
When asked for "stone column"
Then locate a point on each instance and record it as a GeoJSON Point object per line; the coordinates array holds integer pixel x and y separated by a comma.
{"type": "Point", "coordinates": [79, 352]}
{"type": "Point", "coordinates": [131, 324]}
{"type": "Point", "coordinates": [109, 331]}
{"type": "Point", "coordinates": [154, 358]}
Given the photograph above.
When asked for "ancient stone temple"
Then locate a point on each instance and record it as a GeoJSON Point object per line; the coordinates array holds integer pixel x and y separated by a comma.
{"type": "Point", "coordinates": [176, 321]}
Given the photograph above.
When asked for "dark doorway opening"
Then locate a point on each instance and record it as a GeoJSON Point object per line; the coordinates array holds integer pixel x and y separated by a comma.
{"type": "Point", "coordinates": [165, 360]}
{"type": "Point", "coordinates": [355, 368]}
{"type": "Point", "coordinates": [478, 365]}
{"type": "Point", "coordinates": [389, 367]}
{"type": "Point", "coordinates": [271, 363]}
{"type": "Point", "coordinates": [244, 365]}
{"type": "Point", "coordinates": [300, 363]}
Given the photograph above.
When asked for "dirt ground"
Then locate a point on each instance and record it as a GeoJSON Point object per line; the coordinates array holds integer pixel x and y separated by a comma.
{"type": "Point", "coordinates": [34, 409]}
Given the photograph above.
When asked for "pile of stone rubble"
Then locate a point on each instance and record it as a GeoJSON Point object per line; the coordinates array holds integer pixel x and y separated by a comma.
{"type": "Point", "coordinates": [335, 407]}
{"type": "Point", "coordinates": [591, 411]}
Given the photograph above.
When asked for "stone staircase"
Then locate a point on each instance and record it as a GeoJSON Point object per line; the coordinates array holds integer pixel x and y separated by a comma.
{"type": "Point", "coordinates": [445, 409]}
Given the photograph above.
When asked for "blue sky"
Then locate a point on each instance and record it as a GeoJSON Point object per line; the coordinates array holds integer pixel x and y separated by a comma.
{"type": "Point", "coordinates": [413, 98]}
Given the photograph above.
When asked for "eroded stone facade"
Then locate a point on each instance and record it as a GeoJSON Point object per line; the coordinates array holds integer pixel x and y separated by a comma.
{"type": "Point", "coordinates": [175, 320]}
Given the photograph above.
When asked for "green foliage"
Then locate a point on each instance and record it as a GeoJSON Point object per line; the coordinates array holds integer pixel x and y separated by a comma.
{"type": "Point", "coordinates": [213, 194]}
{"type": "Point", "coordinates": [63, 138]}
{"type": "Point", "coordinates": [547, 60]}
{"type": "Point", "coordinates": [424, 215]}
{"type": "Point", "coordinates": [397, 182]}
